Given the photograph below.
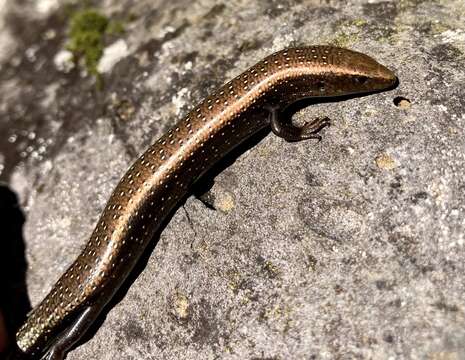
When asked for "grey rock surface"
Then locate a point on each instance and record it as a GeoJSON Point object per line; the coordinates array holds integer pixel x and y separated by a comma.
{"type": "Point", "coordinates": [352, 247]}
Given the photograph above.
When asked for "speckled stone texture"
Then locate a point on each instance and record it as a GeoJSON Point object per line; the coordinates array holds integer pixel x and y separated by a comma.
{"type": "Point", "coordinates": [352, 247]}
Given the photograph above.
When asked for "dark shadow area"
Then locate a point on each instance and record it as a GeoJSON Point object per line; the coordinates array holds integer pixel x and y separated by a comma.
{"type": "Point", "coordinates": [14, 300]}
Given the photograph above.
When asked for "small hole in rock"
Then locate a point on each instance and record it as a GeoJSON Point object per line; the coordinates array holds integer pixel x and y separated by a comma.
{"type": "Point", "coordinates": [402, 102]}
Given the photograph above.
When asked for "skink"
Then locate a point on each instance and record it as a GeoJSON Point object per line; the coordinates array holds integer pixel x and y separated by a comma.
{"type": "Point", "coordinates": [162, 176]}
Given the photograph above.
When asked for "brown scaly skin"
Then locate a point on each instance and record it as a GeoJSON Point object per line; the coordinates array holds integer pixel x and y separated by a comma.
{"type": "Point", "coordinates": [156, 182]}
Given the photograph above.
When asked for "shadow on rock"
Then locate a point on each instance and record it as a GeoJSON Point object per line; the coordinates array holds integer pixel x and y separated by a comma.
{"type": "Point", "coordinates": [14, 301]}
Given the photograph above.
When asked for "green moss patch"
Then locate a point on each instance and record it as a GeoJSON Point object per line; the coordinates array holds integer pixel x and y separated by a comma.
{"type": "Point", "coordinates": [88, 29]}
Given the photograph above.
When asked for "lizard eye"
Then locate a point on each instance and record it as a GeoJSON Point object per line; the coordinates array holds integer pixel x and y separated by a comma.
{"type": "Point", "coordinates": [361, 79]}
